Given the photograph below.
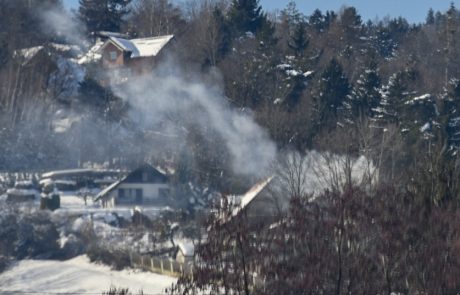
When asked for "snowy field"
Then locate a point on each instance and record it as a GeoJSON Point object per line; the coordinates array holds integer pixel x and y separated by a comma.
{"type": "Point", "coordinates": [77, 275]}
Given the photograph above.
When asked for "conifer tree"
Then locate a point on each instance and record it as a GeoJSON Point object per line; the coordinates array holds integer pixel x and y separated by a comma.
{"type": "Point", "coordinates": [332, 90]}
{"type": "Point", "coordinates": [299, 38]}
{"type": "Point", "coordinates": [246, 16]}
{"type": "Point", "coordinates": [316, 20]}
{"type": "Point", "coordinates": [103, 15]}
{"type": "Point", "coordinates": [365, 96]}
{"type": "Point", "coordinates": [392, 99]}
{"type": "Point", "coordinates": [430, 20]}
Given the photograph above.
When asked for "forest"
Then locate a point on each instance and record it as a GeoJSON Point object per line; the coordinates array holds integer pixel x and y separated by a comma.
{"type": "Point", "coordinates": [327, 81]}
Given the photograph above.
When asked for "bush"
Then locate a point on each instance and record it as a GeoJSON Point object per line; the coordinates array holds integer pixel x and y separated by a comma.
{"type": "Point", "coordinates": [31, 234]}
{"type": "Point", "coordinates": [120, 291]}
{"type": "Point", "coordinates": [115, 258]}
{"type": "Point", "coordinates": [72, 247]}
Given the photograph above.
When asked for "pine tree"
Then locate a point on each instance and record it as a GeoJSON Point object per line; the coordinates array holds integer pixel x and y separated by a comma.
{"type": "Point", "coordinates": [299, 39]}
{"type": "Point", "coordinates": [351, 22]}
{"type": "Point", "coordinates": [430, 17]}
{"type": "Point", "coordinates": [449, 113]}
{"type": "Point", "coordinates": [365, 96]}
{"type": "Point", "coordinates": [103, 15]}
{"type": "Point", "coordinates": [316, 21]}
{"type": "Point", "coordinates": [246, 16]}
{"type": "Point", "coordinates": [332, 91]}
{"type": "Point", "coordinates": [396, 95]}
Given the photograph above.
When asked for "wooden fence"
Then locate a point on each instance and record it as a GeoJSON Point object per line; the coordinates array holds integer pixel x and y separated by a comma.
{"type": "Point", "coordinates": [164, 266]}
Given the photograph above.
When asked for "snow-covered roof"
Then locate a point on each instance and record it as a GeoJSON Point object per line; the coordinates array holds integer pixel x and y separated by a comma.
{"type": "Point", "coordinates": [142, 47]}
{"type": "Point", "coordinates": [92, 55]}
{"type": "Point", "coordinates": [107, 190]}
{"type": "Point", "coordinates": [67, 172]}
{"type": "Point", "coordinates": [67, 182]}
{"type": "Point", "coordinates": [242, 201]}
{"type": "Point", "coordinates": [251, 194]}
{"type": "Point", "coordinates": [186, 247]}
{"type": "Point", "coordinates": [23, 183]}
{"type": "Point", "coordinates": [27, 54]}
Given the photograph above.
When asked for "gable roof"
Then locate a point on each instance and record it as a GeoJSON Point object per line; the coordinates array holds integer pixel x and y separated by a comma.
{"type": "Point", "coordinates": [243, 201]}
{"type": "Point", "coordinates": [153, 175]}
{"type": "Point", "coordinates": [132, 178]}
{"type": "Point", "coordinates": [141, 47]}
{"type": "Point", "coordinates": [251, 194]}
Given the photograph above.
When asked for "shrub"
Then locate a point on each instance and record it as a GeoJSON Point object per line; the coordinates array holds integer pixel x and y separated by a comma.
{"type": "Point", "coordinates": [116, 258]}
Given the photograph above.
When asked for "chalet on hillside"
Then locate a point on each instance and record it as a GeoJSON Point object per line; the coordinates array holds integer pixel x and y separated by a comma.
{"type": "Point", "coordinates": [136, 55]}
{"type": "Point", "coordinates": [145, 186]}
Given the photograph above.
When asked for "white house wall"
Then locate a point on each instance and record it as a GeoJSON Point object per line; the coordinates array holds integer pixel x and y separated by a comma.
{"type": "Point", "coordinates": [150, 192]}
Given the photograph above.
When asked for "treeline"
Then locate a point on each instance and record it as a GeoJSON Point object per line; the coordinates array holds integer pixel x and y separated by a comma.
{"type": "Point", "coordinates": [326, 80]}
{"type": "Point", "coordinates": [348, 242]}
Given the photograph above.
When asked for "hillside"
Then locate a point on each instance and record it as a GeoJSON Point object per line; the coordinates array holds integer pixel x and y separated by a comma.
{"type": "Point", "coordinates": [77, 275]}
{"type": "Point", "coordinates": [347, 131]}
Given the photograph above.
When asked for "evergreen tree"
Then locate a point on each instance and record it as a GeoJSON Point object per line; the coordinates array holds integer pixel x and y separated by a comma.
{"type": "Point", "coordinates": [299, 39]}
{"type": "Point", "coordinates": [316, 20]}
{"type": "Point", "coordinates": [350, 20]}
{"type": "Point", "coordinates": [292, 14]}
{"type": "Point", "coordinates": [449, 113]}
{"type": "Point", "coordinates": [332, 91]}
{"type": "Point", "coordinates": [430, 17]}
{"type": "Point", "coordinates": [103, 15]}
{"type": "Point", "coordinates": [365, 96]}
{"type": "Point", "coordinates": [246, 16]}
{"type": "Point", "coordinates": [394, 95]}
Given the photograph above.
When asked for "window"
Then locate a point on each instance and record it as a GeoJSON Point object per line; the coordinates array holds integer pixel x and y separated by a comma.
{"type": "Point", "coordinates": [130, 196]}
{"type": "Point", "coordinates": [145, 177]}
{"type": "Point", "coordinates": [113, 55]}
{"type": "Point", "coordinates": [139, 196]}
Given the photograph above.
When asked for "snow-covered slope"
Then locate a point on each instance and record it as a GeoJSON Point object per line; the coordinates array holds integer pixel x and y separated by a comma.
{"type": "Point", "coordinates": [77, 275]}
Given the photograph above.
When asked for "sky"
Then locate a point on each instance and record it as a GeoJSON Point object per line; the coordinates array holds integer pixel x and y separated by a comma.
{"type": "Point", "coordinates": [413, 10]}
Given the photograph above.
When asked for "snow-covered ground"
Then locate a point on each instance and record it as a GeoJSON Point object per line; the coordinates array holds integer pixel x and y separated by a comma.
{"type": "Point", "coordinates": [77, 275]}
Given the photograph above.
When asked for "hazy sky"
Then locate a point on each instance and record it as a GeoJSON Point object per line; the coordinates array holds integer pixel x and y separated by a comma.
{"type": "Point", "coordinates": [412, 10]}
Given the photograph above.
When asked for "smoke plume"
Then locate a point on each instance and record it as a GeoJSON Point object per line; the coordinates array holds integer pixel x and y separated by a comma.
{"type": "Point", "coordinates": [158, 98]}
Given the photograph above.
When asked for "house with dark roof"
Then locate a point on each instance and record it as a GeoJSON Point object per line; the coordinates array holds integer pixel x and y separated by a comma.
{"type": "Point", "coordinates": [144, 186]}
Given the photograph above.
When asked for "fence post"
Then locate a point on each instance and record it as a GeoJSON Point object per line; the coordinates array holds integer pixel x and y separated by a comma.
{"type": "Point", "coordinates": [161, 266]}
{"type": "Point", "coordinates": [142, 261]}
{"type": "Point", "coordinates": [180, 268]}
{"type": "Point", "coordinates": [171, 265]}
{"type": "Point", "coordinates": [151, 263]}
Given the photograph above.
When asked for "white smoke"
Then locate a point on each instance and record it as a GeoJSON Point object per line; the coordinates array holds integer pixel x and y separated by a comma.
{"type": "Point", "coordinates": [161, 102]}
{"type": "Point", "coordinates": [60, 22]}
{"type": "Point", "coordinates": [157, 99]}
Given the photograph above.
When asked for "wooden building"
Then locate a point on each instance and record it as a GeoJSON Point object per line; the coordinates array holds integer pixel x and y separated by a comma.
{"type": "Point", "coordinates": [134, 56]}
